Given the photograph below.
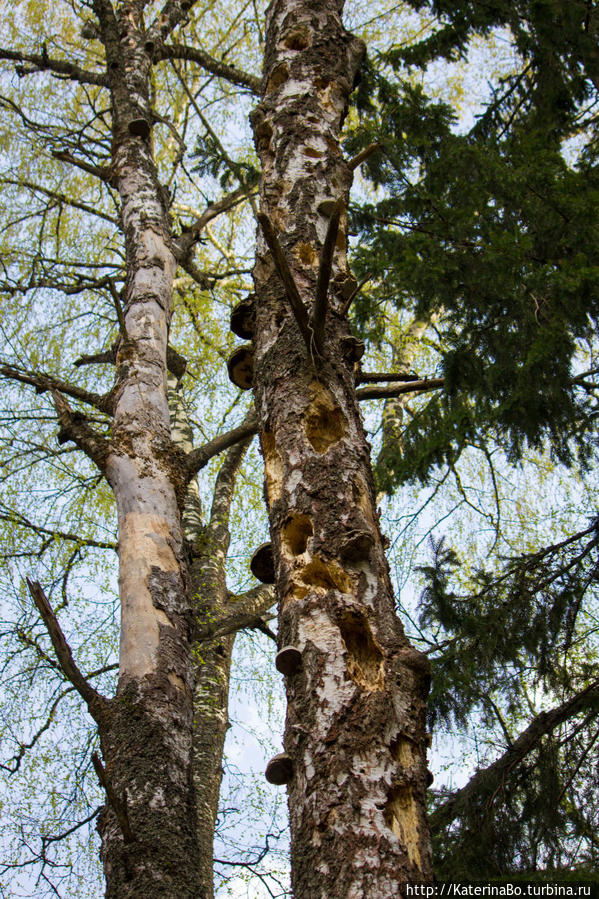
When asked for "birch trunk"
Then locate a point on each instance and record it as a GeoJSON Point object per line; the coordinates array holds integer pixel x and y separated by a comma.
{"type": "Point", "coordinates": [149, 839]}
{"type": "Point", "coordinates": [355, 727]}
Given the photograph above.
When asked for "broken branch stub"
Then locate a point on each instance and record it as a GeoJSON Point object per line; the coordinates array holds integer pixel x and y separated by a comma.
{"type": "Point", "coordinates": [240, 366]}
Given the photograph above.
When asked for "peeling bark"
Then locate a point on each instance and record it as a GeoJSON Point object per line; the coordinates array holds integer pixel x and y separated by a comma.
{"type": "Point", "coordinates": [355, 728]}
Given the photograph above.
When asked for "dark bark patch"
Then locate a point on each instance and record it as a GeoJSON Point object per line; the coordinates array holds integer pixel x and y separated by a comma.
{"type": "Point", "coordinates": [364, 655]}
{"type": "Point", "coordinates": [297, 530]}
{"type": "Point", "coordinates": [324, 423]}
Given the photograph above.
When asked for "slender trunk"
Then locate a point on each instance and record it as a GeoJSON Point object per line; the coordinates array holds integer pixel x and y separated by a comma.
{"type": "Point", "coordinates": [149, 841]}
{"type": "Point", "coordinates": [355, 727]}
{"type": "Point", "coordinates": [212, 662]}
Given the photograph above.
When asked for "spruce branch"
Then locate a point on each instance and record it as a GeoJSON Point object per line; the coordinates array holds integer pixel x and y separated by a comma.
{"type": "Point", "coordinates": [485, 784]}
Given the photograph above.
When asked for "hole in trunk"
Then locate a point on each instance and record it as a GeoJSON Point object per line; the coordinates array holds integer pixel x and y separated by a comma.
{"type": "Point", "coordinates": [364, 656]}
{"type": "Point", "coordinates": [296, 533]}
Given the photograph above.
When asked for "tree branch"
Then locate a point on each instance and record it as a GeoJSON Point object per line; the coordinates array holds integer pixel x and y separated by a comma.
{"type": "Point", "coordinates": [96, 703]}
{"type": "Point", "coordinates": [378, 393]}
{"type": "Point", "coordinates": [490, 779]}
{"type": "Point", "coordinates": [184, 243]}
{"type": "Point", "coordinates": [74, 426]}
{"type": "Point", "coordinates": [200, 457]}
{"type": "Point", "coordinates": [249, 613]}
{"type": "Point", "coordinates": [119, 805]}
{"type": "Point", "coordinates": [42, 63]}
{"type": "Point", "coordinates": [44, 382]}
{"type": "Point", "coordinates": [362, 156]}
{"type": "Point", "coordinates": [215, 66]}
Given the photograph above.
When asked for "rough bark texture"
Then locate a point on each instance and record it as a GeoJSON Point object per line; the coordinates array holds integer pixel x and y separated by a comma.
{"type": "Point", "coordinates": [147, 736]}
{"type": "Point", "coordinates": [355, 722]}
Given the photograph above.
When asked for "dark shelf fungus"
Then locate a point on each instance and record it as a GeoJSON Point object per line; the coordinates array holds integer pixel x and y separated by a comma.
{"type": "Point", "coordinates": [140, 128]}
{"type": "Point", "coordinates": [243, 318]}
{"type": "Point", "coordinates": [353, 348]}
{"type": "Point", "coordinates": [241, 367]}
{"type": "Point", "coordinates": [262, 564]}
{"type": "Point", "coordinates": [279, 770]}
{"type": "Point", "coordinates": [288, 660]}
{"type": "Point", "coordinates": [429, 778]}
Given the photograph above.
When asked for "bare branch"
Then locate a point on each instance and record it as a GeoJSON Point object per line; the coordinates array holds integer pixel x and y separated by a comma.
{"type": "Point", "coordinates": [44, 382]}
{"type": "Point", "coordinates": [96, 703]}
{"type": "Point", "coordinates": [184, 243]}
{"type": "Point", "coordinates": [362, 156]}
{"type": "Point", "coordinates": [200, 457]}
{"type": "Point", "coordinates": [375, 377]}
{"type": "Point", "coordinates": [379, 393]}
{"type": "Point", "coordinates": [75, 427]}
{"type": "Point", "coordinates": [104, 173]}
{"type": "Point", "coordinates": [249, 613]}
{"type": "Point", "coordinates": [215, 66]}
{"type": "Point", "coordinates": [43, 63]}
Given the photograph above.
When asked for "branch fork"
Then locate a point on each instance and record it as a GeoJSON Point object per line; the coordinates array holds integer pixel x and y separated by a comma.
{"type": "Point", "coordinates": [311, 326]}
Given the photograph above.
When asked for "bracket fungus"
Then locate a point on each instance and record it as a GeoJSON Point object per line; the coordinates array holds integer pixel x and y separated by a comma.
{"type": "Point", "coordinates": [240, 365]}
{"type": "Point", "coordinates": [243, 318]}
{"type": "Point", "coordinates": [262, 564]}
{"type": "Point", "coordinates": [279, 770]}
{"type": "Point", "coordinates": [288, 660]}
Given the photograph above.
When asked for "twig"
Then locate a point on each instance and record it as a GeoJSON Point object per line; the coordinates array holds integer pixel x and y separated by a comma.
{"type": "Point", "coordinates": [293, 295]}
{"type": "Point", "coordinates": [119, 806]}
{"type": "Point", "coordinates": [319, 310]}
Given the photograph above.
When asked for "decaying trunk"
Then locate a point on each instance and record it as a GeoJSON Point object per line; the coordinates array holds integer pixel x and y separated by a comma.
{"type": "Point", "coordinates": [355, 728]}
